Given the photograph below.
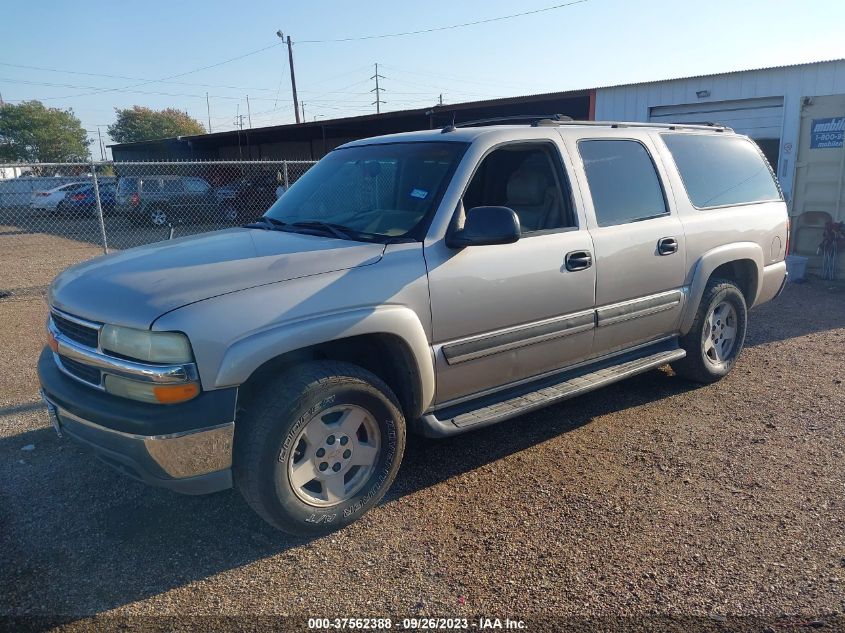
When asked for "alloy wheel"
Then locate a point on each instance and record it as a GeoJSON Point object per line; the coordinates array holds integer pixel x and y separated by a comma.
{"type": "Point", "coordinates": [718, 336]}
{"type": "Point", "coordinates": [334, 455]}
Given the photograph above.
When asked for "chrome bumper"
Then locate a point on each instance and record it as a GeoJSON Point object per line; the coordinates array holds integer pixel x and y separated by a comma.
{"type": "Point", "coordinates": [191, 462]}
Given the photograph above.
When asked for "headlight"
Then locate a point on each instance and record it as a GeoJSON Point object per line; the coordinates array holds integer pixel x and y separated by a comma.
{"type": "Point", "coordinates": [144, 345]}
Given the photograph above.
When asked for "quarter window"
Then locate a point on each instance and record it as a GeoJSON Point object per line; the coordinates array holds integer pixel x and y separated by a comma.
{"type": "Point", "coordinates": [623, 182]}
{"type": "Point", "coordinates": [721, 170]}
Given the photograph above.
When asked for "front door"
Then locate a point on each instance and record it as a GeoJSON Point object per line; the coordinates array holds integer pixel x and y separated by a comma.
{"type": "Point", "coordinates": [505, 313]}
{"type": "Point", "coordinates": [638, 239]}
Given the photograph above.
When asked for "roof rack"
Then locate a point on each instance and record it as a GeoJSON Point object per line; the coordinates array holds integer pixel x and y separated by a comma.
{"type": "Point", "coordinates": [561, 119]}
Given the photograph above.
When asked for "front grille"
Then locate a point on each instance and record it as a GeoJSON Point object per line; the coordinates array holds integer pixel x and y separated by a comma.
{"type": "Point", "coordinates": [81, 371]}
{"type": "Point", "coordinates": [74, 331]}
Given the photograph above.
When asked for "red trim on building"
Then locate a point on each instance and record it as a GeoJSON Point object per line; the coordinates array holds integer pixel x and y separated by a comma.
{"type": "Point", "coordinates": [592, 115]}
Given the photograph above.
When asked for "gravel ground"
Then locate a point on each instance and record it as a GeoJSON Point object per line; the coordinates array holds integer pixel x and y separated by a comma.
{"type": "Point", "coordinates": [651, 497]}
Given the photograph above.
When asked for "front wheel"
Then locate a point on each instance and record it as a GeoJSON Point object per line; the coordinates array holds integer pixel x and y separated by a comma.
{"type": "Point", "coordinates": [717, 335]}
{"type": "Point", "coordinates": [318, 447]}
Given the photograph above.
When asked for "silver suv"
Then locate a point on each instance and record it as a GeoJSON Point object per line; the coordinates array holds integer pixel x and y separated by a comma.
{"type": "Point", "coordinates": [437, 281]}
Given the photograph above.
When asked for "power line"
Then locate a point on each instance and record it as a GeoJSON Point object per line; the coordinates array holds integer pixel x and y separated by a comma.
{"type": "Point", "coordinates": [176, 76]}
{"type": "Point", "coordinates": [443, 28]}
{"type": "Point", "coordinates": [129, 77]}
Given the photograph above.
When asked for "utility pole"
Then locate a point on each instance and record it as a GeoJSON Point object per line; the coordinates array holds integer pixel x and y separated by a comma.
{"type": "Point", "coordinates": [302, 105]}
{"type": "Point", "coordinates": [441, 98]}
{"type": "Point", "coordinates": [208, 110]}
{"type": "Point", "coordinates": [102, 147]}
{"type": "Point", "coordinates": [248, 112]}
{"type": "Point", "coordinates": [292, 75]}
{"type": "Point", "coordinates": [377, 103]}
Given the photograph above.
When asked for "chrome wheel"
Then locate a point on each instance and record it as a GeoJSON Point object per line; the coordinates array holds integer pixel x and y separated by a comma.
{"type": "Point", "coordinates": [334, 455]}
{"type": "Point", "coordinates": [158, 217]}
{"type": "Point", "coordinates": [718, 336]}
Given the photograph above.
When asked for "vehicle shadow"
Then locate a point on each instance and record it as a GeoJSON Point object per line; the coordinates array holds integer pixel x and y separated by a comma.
{"type": "Point", "coordinates": [78, 538]}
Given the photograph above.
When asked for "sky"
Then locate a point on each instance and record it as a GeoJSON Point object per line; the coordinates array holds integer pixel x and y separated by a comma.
{"type": "Point", "coordinates": [95, 56]}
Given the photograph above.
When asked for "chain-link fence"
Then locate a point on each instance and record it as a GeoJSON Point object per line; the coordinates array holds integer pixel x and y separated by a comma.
{"type": "Point", "coordinates": [54, 215]}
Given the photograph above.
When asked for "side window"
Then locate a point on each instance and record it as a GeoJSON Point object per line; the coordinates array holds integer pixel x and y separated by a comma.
{"type": "Point", "coordinates": [623, 181]}
{"type": "Point", "coordinates": [526, 178]}
{"type": "Point", "coordinates": [721, 170]}
{"type": "Point", "coordinates": [171, 185]}
{"type": "Point", "coordinates": [196, 185]}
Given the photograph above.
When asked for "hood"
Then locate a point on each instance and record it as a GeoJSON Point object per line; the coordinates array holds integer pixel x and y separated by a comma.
{"type": "Point", "coordinates": [136, 286]}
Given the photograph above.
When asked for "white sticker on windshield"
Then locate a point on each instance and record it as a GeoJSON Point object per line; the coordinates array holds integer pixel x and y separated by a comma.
{"type": "Point", "coordinates": [419, 193]}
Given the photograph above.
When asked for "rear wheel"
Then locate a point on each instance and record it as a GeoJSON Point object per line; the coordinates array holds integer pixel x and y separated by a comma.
{"type": "Point", "coordinates": [318, 447]}
{"type": "Point", "coordinates": [717, 335]}
{"type": "Point", "coordinates": [157, 216]}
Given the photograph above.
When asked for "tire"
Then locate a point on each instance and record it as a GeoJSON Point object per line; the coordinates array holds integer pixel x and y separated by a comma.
{"type": "Point", "coordinates": [157, 216]}
{"type": "Point", "coordinates": [318, 406]}
{"type": "Point", "coordinates": [711, 352]}
{"type": "Point", "coordinates": [229, 214]}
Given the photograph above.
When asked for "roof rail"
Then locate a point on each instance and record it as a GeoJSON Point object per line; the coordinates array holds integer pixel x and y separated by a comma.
{"type": "Point", "coordinates": [531, 119]}
{"type": "Point", "coordinates": [560, 119]}
{"type": "Point", "coordinates": [715, 127]}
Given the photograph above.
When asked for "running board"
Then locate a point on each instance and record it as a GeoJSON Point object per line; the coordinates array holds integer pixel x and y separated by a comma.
{"type": "Point", "coordinates": [462, 417]}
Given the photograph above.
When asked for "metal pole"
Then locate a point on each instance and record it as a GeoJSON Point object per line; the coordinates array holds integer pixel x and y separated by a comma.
{"type": "Point", "coordinates": [293, 81]}
{"type": "Point", "coordinates": [285, 170]}
{"type": "Point", "coordinates": [208, 110]}
{"type": "Point", "coordinates": [102, 147]}
{"type": "Point", "coordinates": [248, 112]}
{"type": "Point", "coordinates": [99, 208]}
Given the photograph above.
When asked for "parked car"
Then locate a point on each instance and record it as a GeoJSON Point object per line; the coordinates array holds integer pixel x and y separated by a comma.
{"type": "Point", "coordinates": [49, 200]}
{"type": "Point", "coordinates": [82, 201]}
{"type": "Point", "coordinates": [436, 282]}
{"type": "Point", "coordinates": [247, 198]}
{"type": "Point", "coordinates": [163, 200]}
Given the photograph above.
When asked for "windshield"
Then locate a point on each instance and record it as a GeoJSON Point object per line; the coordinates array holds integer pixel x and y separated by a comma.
{"type": "Point", "coordinates": [385, 190]}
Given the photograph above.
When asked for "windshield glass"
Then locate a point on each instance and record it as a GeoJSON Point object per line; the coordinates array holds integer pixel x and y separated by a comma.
{"type": "Point", "coordinates": [386, 190]}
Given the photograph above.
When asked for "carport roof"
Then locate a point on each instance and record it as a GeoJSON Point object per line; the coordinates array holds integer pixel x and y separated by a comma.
{"type": "Point", "coordinates": [438, 115]}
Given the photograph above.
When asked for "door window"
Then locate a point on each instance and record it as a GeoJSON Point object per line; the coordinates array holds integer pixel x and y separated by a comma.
{"type": "Point", "coordinates": [525, 178]}
{"type": "Point", "coordinates": [623, 181]}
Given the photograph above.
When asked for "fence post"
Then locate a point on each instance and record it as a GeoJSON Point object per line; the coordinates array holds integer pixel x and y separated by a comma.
{"type": "Point", "coordinates": [99, 208]}
{"type": "Point", "coordinates": [285, 166]}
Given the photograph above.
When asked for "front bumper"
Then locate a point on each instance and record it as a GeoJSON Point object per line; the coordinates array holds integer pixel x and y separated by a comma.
{"type": "Point", "coordinates": [185, 447]}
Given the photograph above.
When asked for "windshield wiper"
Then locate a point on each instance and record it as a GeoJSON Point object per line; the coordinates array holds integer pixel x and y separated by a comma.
{"type": "Point", "coordinates": [338, 230]}
{"type": "Point", "coordinates": [267, 223]}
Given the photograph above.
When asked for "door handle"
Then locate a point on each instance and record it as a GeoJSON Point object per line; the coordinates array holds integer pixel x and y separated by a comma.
{"type": "Point", "coordinates": [667, 246]}
{"type": "Point", "coordinates": [578, 260]}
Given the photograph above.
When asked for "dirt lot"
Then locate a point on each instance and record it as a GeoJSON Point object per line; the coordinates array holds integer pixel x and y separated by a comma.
{"type": "Point", "coordinates": [650, 497]}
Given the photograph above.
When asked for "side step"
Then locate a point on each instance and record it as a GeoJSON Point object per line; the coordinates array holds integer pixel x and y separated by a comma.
{"type": "Point", "coordinates": [568, 384]}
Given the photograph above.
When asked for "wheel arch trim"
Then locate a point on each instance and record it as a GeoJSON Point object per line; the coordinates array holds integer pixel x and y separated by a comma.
{"type": "Point", "coordinates": [246, 355]}
{"type": "Point", "coordinates": [709, 262]}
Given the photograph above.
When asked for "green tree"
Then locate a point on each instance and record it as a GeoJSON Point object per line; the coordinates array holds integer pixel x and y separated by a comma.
{"type": "Point", "coordinates": [34, 133]}
{"type": "Point", "coordinates": [143, 124]}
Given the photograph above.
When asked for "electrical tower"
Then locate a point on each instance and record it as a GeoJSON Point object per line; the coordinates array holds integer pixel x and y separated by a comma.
{"type": "Point", "coordinates": [377, 103]}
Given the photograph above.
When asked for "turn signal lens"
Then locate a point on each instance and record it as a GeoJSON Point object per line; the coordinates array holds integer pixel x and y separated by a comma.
{"type": "Point", "coordinates": [52, 343]}
{"type": "Point", "coordinates": [150, 392]}
{"type": "Point", "coordinates": [170, 394]}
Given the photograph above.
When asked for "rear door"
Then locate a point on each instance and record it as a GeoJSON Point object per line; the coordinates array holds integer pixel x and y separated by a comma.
{"type": "Point", "coordinates": [638, 239]}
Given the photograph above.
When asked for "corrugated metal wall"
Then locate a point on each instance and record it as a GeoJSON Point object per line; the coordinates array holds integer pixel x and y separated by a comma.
{"type": "Point", "coordinates": [792, 83]}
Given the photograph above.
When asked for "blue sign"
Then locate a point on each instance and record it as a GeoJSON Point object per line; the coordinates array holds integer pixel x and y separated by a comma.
{"type": "Point", "coordinates": [826, 133]}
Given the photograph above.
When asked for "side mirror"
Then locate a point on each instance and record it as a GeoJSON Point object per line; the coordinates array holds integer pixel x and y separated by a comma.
{"type": "Point", "coordinates": [486, 225]}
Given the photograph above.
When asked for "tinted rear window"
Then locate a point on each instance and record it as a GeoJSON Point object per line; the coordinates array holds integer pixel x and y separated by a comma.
{"type": "Point", "coordinates": [721, 170]}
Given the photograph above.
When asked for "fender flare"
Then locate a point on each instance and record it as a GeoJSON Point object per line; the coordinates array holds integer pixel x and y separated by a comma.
{"type": "Point", "coordinates": [246, 355]}
{"type": "Point", "coordinates": [709, 262]}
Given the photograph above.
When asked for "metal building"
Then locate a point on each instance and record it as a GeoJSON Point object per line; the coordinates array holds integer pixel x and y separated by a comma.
{"type": "Point", "coordinates": [795, 113]}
